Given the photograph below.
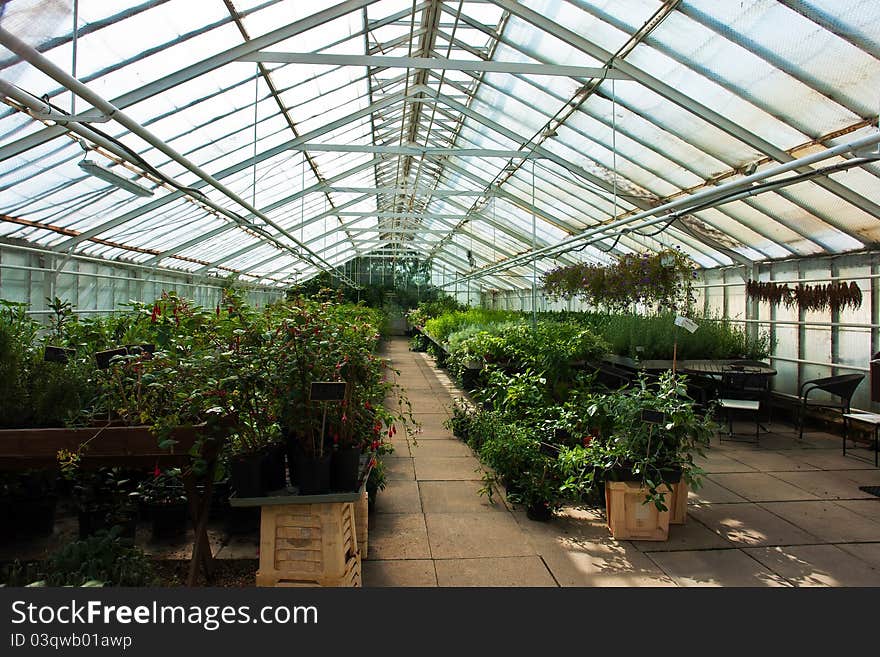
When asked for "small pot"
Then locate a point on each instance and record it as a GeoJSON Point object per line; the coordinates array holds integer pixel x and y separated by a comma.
{"type": "Point", "coordinates": [91, 521]}
{"type": "Point", "coordinates": [246, 475]}
{"type": "Point", "coordinates": [169, 519]}
{"type": "Point", "coordinates": [344, 469]}
{"type": "Point", "coordinates": [242, 520]}
{"type": "Point", "coordinates": [273, 473]}
{"type": "Point", "coordinates": [539, 511]}
{"type": "Point", "coordinates": [103, 358]}
{"type": "Point", "coordinates": [312, 473]}
{"type": "Point", "coordinates": [33, 517]}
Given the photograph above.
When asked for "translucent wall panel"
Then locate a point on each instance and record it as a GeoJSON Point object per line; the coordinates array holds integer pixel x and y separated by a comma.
{"type": "Point", "coordinates": [30, 276]}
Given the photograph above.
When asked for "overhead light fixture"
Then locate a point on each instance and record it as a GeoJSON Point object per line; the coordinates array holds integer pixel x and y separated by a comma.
{"type": "Point", "coordinates": [750, 168]}
{"type": "Point", "coordinates": [95, 169]}
{"type": "Point", "coordinates": [548, 132]}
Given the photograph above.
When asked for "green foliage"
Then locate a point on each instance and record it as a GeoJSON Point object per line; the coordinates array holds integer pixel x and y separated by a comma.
{"type": "Point", "coordinates": [33, 392]}
{"type": "Point", "coordinates": [620, 439]}
{"type": "Point", "coordinates": [103, 558]}
{"type": "Point", "coordinates": [662, 281]}
{"type": "Point", "coordinates": [649, 337]}
{"type": "Point", "coordinates": [441, 327]}
{"type": "Point", "coordinates": [434, 308]}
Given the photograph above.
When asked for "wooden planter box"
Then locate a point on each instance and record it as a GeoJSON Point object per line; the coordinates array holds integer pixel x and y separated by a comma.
{"type": "Point", "coordinates": [628, 515]}
{"type": "Point", "coordinates": [309, 545]}
{"type": "Point", "coordinates": [678, 505]}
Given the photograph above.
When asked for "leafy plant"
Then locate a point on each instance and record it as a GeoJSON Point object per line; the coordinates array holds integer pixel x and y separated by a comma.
{"type": "Point", "coordinates": [103, 558]}
{"type": "Point", "coordinates": [651, 451]}
{"type": "Point", "coordinates": [662, 280]}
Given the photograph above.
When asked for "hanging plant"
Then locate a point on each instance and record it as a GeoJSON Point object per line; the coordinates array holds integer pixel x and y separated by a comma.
{"type": "Point", "coordinates": [834, 296]}
{"type": "Point", "coordinates": [663, 279]}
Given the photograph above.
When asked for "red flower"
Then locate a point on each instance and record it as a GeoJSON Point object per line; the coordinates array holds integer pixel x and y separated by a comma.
{"type": "Point", "coordinates": [156, 472]}
{"type": "Point", "coordinates": [368, 405]}
{"type": "Point", "coordinates": [587, 440]}
{"type": "Point", "coordinates": [375, 445]}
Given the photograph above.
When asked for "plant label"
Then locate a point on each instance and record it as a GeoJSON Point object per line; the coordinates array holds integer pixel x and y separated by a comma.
{"type": "Point", "coordinates": [688, 324]}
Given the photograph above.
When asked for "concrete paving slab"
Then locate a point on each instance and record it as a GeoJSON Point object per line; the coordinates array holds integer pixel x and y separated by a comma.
{"type": "Point", "coordinates": [825, 484]}
{"type": "Point", "coordinates": [398, 536]}
{"type": "Point", "coordinates": [765, 460]}
{"type": "Point", "coordinates": [828, 521]}
{"type": "Point", "coordinates": [691, 536]}
{"type": "Point", "coordinates": [747, 525]}
{"type": "Point", "coordinates": [717, 462]}
{"type": "Point", "coordinates": [712, 492]}
{"type": "Point", "coordinates": [867, 552]}
{"type": "Point", "coordinates": [715, 568]}
{"type": "Point", "coordinates": [398, 573]}
{"type": "Point", "coordinates": [816, 565]}
{"type": "Point", "coordinates": [869, 508]}
{"type": "Point", "coordinates": [453, 468]}
{"type": "Point", "coordinates": [399, 496]}
{"type": "Point", "coordinates": [456, 497]}
{"type": "Point", "coordinates": [452, 447]}
{"type": "Point", "coordinates": [612, 563]}
{"type": "Point", "coordinates": [399, 467]}
{"type": "Point", "coordinates": [494, 571]}
{"type": "Point", "coordinates": [469, 535]}
{"type": "Point", "coordinates": [760, 487]}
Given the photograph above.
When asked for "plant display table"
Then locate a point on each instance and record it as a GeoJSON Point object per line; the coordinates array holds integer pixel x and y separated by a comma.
{"type": "Point", "coordinates": [128, 447]}
{"type": "Point", "coordinates": [312, 540]}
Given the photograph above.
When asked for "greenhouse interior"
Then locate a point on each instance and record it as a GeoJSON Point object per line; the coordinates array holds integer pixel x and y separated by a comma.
{"type": "Point", "coordinates": [419, 293]}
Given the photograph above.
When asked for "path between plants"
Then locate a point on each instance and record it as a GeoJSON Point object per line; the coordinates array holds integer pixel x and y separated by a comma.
{"type": "Point", "coordinates": [782, 514]}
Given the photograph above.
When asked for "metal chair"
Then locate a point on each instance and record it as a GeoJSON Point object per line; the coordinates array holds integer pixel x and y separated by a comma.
{"type": "Point", "coordinates": [843, 387]}
{"type": "Point", "coordinates": [744, 391]}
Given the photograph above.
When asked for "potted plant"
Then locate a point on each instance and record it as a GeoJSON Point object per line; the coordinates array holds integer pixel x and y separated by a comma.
{"type": "Point", "coordinates": [648, 439]}
{"type": "Point", "coordinates": [164, 496]}
{"type": "Point", "coordinates": [27, 503]}
{"type": "Point", "coordinates": [102, 496]}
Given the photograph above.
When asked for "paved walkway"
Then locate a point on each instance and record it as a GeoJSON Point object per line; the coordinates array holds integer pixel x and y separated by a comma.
{"type": "Point", "coordinates": [780, 514]}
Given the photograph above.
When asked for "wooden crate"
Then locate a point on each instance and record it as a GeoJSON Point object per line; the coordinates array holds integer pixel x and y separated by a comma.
{"type": "Point", "coordinates": [362, 523]}
{"type": "Point", "coordinates": [678, 508]}
{"type": "Point", "coordinates": [309, 545]}
{"type": "Point", "coordinates": [628, 515]}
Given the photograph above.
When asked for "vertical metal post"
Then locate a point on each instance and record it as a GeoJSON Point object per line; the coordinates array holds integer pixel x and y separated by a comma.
{"type": "Point", "coordinates": [535, 259]}
{"type": "Point", "coordinates": [835, 319]}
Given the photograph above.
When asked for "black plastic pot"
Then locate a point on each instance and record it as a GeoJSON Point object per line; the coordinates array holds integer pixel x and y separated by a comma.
{"type": "Point", "coordinates": [33, 517]}
{"type": "Point", "coordinates": [242, 520]}
{"type": "Point", "coordinates": [274, 476]}
{"type": "Point", "coordinates": [103, 358]}
{"type": "Point", "coordinates": [246, 475]}
{"type": "Point", "coordinates": [219, 499]}
{"type": "Point", "coordinates": [92, 521]}
{"type": "Point", "coordinates": [625, 473]}
{"type": "Point", "coordinates": [539, 511]}
{"type": "Point", "coordinates": [345, 468]}
{"type": "Point", "coordinates": [312, 473]}
{"type": "Point", "coordinates": [169, 519]}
